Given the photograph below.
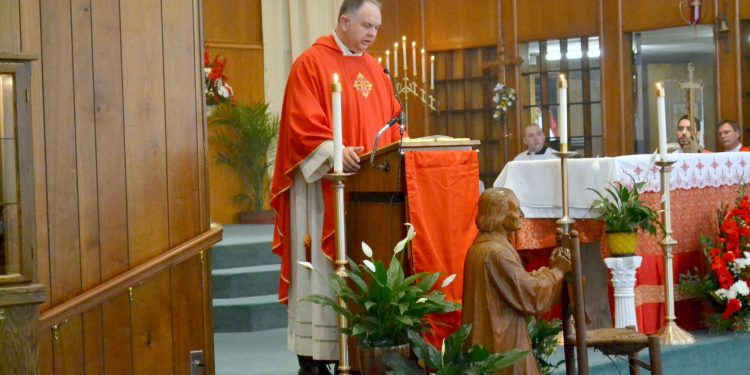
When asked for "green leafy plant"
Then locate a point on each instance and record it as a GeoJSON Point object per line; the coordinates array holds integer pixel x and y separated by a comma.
{"type": "Point", "coordinates": [543, 336]}
{"type": "Point", "coordinates": [457, 357]}
{"type": "Point", "coordinates": [383, 304]}
{"type": "Point", "coordinates": [623, 211]}
{"type": "Point", "coordinates": [245, 132]}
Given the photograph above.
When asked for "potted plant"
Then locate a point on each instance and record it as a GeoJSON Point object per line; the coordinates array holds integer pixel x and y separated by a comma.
{"type": "Point", "coordinates": [623, 213]}
{"type": "Point", "coordinates": [244, 134]}
{"type": "Point", "coordinates": [457, 357]}
{"type": "Point", "coordinates": [383, 305]}
{"type": "Point", "coordinates": [543, 336]}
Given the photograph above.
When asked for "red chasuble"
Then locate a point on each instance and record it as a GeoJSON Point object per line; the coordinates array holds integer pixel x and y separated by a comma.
{"type": "Point", "coordinates": [367, 102]}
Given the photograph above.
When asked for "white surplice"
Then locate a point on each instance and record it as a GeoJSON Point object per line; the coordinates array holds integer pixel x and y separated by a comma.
{"type": "Point", "coordinates": [312, 329]}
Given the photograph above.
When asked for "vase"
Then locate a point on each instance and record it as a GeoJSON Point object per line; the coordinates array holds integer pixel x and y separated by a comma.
{"type": "Point", "coordinates": [370, 359]}
{"type": "Point", "coordinates": [257, 217]}
{"type": "Point", "coordinates": [622, 244]}
{"type": "Point", "coordinates": [209, 110]}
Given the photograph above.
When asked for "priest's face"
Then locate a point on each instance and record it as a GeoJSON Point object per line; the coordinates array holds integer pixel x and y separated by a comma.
{"type": "Point", "coordinates": [358, 31]}
{"type": "Point", "coordinates": [533, 138]}
{"type": "Point", "coordinates": [513, 215]}
{"type": "Point", "coordinates": [683, 132]}
{"type": "Point", "coordinates": [728, 137]}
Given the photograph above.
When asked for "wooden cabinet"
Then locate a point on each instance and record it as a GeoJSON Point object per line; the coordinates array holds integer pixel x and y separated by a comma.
{"type": "Point", "coordinates": [20, 296]}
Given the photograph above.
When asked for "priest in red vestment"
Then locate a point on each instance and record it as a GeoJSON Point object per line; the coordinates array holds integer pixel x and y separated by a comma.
{"type": "Point", "coordinates": [301, 197]}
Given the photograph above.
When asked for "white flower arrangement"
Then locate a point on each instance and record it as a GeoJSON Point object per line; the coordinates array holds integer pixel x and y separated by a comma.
{"type": "Point", "coordinates": [504, 99]}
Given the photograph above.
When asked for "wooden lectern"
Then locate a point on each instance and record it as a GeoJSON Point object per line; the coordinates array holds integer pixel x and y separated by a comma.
{"type": "Point", "coordinates": [377, 202]}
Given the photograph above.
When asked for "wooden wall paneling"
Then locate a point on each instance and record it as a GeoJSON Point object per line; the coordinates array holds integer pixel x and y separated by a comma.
{"type": "Point", "coordinates": [10, 26]}
{"type": "Point", "coordinates": [542, 19]}
{"type": "Point", "coordinates": [111, 179]}
{"type": "Point", "coordinates": [110, 136]}
{"type": "Point", "coordinates": [45, 352]}
{"type": "Point", "coordinates": [85, 147]}
{"type": "Point", "coordinates": [207, 303]}
{"type": "Point", "coordinates": [201, 126]}
{"type": "Point", "coordinates": [146, 171]}
{"type": "Point", "coordinates": [744, 10]}
{"type": "Point", "coordinates": [118, 336]}
{"type": "Point", "coordinates": [510, 32]}
{"type": "Point", "coordinates": [640, 15]}
{"type": "Point", "coordinates": [185, 281]}
{"type": "Point", "coordinates": [728, 69]}
{"type": "Point", "coordinates": [182, 146]}
{"type": "Point", "coordinates": [152, 326]}
{"type": "Point", "coordinates": [614, 50]}
{"type": "Point", "coordinates": [145, 143]}
{"type": "Point", "coordinates": [31, 43]}
{"type": "Point", "coordinates": [472, 24]}
{"type": "Point", "coordinates": [398, 18]}
{"type": "Point", "coordinates": [68, 356]}
{"type": "Point", "coordinates": [183, 178]}
{"type": "Point", "coordinates": [227, 21]}
{"type": "Point", "coordinates": [62, 194]}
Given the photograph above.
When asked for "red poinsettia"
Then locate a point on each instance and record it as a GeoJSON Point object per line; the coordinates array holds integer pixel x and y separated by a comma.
{"type": "Point", "coordinates": [218, 89]}
{"type": "Point", "coordinates": [726, 286]}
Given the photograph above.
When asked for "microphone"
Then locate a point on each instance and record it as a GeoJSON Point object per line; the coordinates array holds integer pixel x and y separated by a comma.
{"type": "Point", "coordinates": [380, 133]}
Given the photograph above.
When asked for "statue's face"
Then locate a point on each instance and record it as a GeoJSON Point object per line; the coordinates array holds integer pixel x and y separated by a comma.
{"type": "Point", "coordinates": [513, 215]}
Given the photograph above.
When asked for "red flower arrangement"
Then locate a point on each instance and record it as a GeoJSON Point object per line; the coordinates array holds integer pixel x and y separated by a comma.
{"type": "Point", "coordinates": [218, 89]}
{"type": "Point", "coordinates": [725, 286]}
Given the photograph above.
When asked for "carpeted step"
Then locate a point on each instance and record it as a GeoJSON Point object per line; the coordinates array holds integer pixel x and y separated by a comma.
{"type": "Point", "coordinates": [245, 314]}
{"type": "Point", "coordinates": [245, 281]}
{"type": "Point", "coordinates": [244, 246]}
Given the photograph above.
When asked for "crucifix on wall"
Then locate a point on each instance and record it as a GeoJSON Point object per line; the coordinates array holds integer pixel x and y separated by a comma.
{"type": "Point", "coordinates": [501, 62]}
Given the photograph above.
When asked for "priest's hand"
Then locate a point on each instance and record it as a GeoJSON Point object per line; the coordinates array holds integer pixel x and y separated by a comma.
{"type": "Point", "coordinates": [560, 259]}
{"type": "Point", "coordinates": [351, 159]}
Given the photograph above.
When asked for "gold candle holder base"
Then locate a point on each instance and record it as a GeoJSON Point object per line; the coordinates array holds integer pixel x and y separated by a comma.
{"type": "Point", "coordinates": [672, 334]}
{"type": "Point", "coordinates": [565, 221]}
{"type": "Point", "coordinates": [341, 262]}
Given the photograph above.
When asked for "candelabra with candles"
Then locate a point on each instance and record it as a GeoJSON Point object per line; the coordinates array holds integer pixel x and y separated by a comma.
{"type": "Point", "coordinates": [407, 87]}
{"type": "Point", "coordinates": [671, 333]}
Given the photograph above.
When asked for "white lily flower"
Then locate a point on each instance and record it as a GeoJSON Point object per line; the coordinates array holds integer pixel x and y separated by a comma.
{"type": "Point", "coordinates": [369, 265]}
{"type": "Point", "coordinates": [367, 250]}
{"type": "Point", "coordinates": [448, 280]}
{"type": "Point", "coordinates": [307, 265]}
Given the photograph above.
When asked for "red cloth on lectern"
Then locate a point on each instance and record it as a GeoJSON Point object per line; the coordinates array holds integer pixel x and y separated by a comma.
{"type": "Point", "coordinates": [443, 191]}
{"type": "Point", "coordinates": [367, 103]}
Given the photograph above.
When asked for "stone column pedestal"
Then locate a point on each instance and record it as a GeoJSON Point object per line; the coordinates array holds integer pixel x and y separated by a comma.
{"type": "Point", "coordinates": [623, 279]}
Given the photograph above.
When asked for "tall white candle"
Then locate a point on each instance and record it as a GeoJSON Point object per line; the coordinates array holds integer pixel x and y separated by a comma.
{"type": "Point", "coordinates": [662, 118]}
{"type": "Point", "coordinates": [388, 61]}
{"type": "Point", "coordinates": [424, 71]}
{"type": "Point", "coordinates": [403, 50]}
{"type": "Point", "coordinates": [562, 94]}
{"type": "Point", "coordinates": [432, 72]}
{"type": "Point", "coordinates": [338, 145]}
{"type": "Point", "coordinates": [414, 58]}
{"type": "Point", "coordinates": [380, 61]}
{"type": "Point", "coordinates": [395, 59]}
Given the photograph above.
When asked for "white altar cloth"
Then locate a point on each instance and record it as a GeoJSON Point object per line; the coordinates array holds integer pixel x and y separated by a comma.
{"type": "Point", "coordinates": [537, 183]}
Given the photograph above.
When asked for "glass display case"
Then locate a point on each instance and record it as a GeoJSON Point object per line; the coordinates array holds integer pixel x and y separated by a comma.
{"type": "Point", "coordinates": [16, 177]}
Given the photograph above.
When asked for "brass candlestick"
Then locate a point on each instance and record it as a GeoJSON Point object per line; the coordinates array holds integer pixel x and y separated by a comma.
{"type": "Point", "coordinates": [338, 191]}
{"type": "Point", "coordinates": [565, 221]}
{"type": "Point", "coordinates": [671, 333]}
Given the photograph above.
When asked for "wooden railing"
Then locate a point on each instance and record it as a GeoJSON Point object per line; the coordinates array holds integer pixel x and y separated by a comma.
{"type": "Point", "coordinates": [120, 283]}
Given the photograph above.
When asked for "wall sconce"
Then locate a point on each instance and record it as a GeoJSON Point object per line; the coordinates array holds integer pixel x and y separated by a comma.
{"type": "Point", "coordinates": [693, 9]}
{"type": "Point", "coordinates": [722, 28]}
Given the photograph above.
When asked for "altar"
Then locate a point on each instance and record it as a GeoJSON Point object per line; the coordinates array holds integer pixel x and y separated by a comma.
{"type": "Point", "coordinates": [700, 184]}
